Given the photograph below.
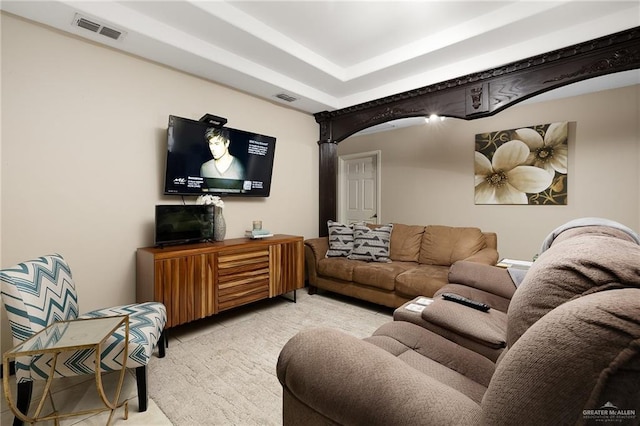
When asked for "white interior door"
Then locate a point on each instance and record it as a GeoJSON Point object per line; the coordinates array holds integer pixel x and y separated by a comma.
{"type": "Point", "coordinates": [359, 187]}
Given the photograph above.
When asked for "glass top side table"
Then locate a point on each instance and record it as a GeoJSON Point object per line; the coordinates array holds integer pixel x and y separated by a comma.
{"type": "Point", "coordinates": [65, 336]}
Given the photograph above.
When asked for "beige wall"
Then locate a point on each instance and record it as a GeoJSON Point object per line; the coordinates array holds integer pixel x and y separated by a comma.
{"type": "Point", "coordinates": [83, 145]}
{"type": "Point", "coordinates": [427, 170]}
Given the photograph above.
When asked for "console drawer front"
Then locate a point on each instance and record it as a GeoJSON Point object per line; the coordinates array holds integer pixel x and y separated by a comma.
{"type": "Point", "coordinates": [242, 277]}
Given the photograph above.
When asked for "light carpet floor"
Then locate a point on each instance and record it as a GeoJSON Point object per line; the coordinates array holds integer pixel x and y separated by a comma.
{"type": "Point", "coordinates": [72, 394]}
{"type": "Point", "coordinates": [222, 370]}
{"type": "Point", "coordinates": [217, 371]}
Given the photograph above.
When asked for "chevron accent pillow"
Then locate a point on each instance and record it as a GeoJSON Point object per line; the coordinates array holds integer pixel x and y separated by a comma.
{"type": "Point", "coordinates": [371, 244]}
{"type": "Point", "coordinates": [340, 239]}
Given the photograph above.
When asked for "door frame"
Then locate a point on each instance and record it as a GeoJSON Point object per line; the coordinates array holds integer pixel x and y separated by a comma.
{"type": "Point", "coordinates": [377, 155]}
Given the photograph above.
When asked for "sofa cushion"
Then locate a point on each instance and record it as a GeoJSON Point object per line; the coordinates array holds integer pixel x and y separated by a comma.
{"type": "Point", "coordinates": [337, 267]}
{"type": "Point", "coordinates": [340, 239]}
{"type": "Point", "coordinates": [444, 245]}
{"type": "Point", "coordinates": [371, 244]}
{"type": "Point", "coordinates": [423, 280]}
{"type": "Point", "coordinates": [380, 275]}
{"type": "Point", "coordinates": [405, 242]}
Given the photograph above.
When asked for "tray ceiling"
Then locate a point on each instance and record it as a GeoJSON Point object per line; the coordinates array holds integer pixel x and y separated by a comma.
{"type": "Point", "coordinates": [329, 55]}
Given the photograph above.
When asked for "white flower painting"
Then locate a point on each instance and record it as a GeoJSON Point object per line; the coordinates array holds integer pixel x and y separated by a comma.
{"type": "Point", "coordinates": [522, 166]}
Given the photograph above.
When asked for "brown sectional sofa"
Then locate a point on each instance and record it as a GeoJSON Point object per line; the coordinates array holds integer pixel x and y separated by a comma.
{"type": "Point", "coordinates": [420, 260]}
{"type": "Point", "coordinates": [571, 357]}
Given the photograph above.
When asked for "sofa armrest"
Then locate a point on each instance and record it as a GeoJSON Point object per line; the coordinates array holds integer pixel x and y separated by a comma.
{"type": "Point", "coordinates": [491, 279]}
{"type": "Point", "coordinates": [314, 250]}
{"type": "Point", "coordinates": [318, 246]}
{"type": "Point", "coordinates": [351, 381]}
{"type": "Point", "coordinates": [492, 239]}
{"type": "Point", "coordinates": [488, 256]}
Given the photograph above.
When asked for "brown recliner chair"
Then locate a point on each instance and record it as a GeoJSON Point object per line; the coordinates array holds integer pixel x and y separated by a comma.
{"type": "Point", "coordinates": [486, 332]}
{"type": "Point", "coordinates": [572, 356]}
{"type": "Point", "coordinates": [482, 332]}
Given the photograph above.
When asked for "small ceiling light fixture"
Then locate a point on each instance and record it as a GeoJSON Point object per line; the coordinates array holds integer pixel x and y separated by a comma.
{"type": "Point", "coordinates": [433, 118]}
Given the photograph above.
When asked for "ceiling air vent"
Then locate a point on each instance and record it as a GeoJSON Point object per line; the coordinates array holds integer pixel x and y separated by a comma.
{"type": "Point", "coordinates": [97, 27]}
{"type": "Point", "coordinates": [110, 32]}
{"type": "Point", "coordinates": [285, 97]}
{"type": "Point", "coordinates": [88, 25]}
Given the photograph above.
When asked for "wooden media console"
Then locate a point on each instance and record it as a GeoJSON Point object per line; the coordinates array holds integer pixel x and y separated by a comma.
{"type": "Point", "coordinates": [195, 281]}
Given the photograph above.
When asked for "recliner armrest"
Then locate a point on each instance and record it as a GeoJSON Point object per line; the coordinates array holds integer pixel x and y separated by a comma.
{"type": "Point", "coordinates": [491, 279]}
{"type": "Point", "coordinates": [487, 328]}
{"type": "Point", "coordinates": [351, 381]}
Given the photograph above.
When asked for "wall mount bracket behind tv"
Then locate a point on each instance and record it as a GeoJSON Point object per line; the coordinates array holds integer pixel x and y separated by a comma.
{"type": "Point", "coordinates": [214, 120]}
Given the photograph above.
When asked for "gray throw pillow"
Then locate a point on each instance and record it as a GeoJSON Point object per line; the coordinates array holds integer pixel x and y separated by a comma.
{"type": "Point", "coordinates": [340, 239]}
{"type": "Point", "coordinates": [371, 244]}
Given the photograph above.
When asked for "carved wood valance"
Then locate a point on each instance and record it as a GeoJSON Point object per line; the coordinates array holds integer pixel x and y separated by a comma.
{"type": "Point", "coordinates": [472, 96]}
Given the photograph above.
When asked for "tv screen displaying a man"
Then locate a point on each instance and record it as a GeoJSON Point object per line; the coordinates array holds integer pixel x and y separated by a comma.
{"type": "Point", "coordinates": [205, 159]}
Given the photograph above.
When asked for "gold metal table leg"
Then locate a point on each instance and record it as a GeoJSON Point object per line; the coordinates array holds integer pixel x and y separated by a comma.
{"type": "Point", "coordinates": [47, 394]}
{"type": "Point", "coordinates": [112, 406]}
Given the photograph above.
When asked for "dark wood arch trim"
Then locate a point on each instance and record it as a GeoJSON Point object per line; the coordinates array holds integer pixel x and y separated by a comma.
{"type": "Point", "coordinates": [472, 96]}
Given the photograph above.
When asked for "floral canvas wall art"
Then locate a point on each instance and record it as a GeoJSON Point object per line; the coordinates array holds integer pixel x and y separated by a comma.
{"type": "Point", "coordinates": [522, 166]}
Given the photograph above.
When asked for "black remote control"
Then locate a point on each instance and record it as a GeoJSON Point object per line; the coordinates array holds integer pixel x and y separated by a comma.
{"type": "Point", "coordinates": [467, 302]}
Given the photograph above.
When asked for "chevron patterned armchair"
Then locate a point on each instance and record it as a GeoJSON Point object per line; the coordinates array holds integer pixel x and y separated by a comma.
{"type": "Point", "coordinates": [39, 292]}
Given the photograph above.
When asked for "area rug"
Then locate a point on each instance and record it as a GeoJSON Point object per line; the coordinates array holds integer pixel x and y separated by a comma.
{"type": "Point", "coordinates": [222, 370]}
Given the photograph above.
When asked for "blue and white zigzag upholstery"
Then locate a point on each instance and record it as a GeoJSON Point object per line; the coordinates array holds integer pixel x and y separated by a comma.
{"type": "Point", "coordinates": [41, 291]}
{"type": "Point", "coordinates": [146, 322]}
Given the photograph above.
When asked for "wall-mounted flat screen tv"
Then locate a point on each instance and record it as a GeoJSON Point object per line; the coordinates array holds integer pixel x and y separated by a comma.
{"type": "Point", "coordinates": [203, 159]}
{"type": "Point", "coordinates": [179, 224]}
